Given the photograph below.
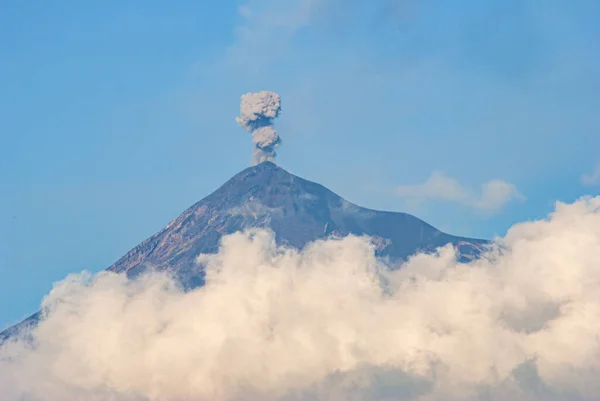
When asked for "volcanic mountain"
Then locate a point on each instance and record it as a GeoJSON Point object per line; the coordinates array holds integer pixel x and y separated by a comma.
{"type": "Point", "coordinates": [296, 210]}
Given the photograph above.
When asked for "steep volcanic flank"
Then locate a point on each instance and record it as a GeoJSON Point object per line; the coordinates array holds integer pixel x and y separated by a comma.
{"type": "Point", "coordinates": [297, 210]}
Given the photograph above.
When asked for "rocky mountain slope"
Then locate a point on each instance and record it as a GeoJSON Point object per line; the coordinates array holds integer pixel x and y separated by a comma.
{"type": "Point", "coordinates": [298, 211]}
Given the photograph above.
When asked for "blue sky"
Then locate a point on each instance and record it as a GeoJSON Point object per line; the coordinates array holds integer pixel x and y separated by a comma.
{"type": "Point", "coordinates": [116, 117]}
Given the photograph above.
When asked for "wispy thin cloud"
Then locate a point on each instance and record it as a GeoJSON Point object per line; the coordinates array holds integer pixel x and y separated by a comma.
{"type": "Point", "coordinates": [491, 197]}
{"type": "Point", "coordinates": [593, 178]}
{"type": "Point", "coordinates": [267, 26]}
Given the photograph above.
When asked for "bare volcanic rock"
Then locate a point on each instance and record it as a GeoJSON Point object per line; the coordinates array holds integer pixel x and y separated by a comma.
{"type": "Point", "coordinates": [298, 211]}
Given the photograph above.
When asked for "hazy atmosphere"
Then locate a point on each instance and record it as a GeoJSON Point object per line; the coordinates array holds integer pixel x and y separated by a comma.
{"type": "Point", "coordinates": [478, 118]}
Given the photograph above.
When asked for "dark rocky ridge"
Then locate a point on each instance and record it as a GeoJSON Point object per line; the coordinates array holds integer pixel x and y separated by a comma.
{"type": "Point", "coordinates": [298, 211]}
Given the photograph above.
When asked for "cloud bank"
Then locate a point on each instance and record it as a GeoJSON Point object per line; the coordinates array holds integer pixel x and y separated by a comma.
{"type": "Point", "coordinates": [493, 196]}
{"type": "Point", "coordinates": [331, 323]}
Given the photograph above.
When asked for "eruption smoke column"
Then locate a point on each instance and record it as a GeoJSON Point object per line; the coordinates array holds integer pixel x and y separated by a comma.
{"type": "Point", "coordinates": [257, 111]}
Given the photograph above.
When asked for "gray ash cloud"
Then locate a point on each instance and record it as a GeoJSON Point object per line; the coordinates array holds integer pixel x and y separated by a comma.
{"type": "Point", "coordinates": [257, 112]}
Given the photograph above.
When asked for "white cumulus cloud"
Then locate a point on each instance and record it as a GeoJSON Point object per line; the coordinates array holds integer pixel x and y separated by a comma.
{"type": "Point", "coordinates": [331, 322]}
{"type": "Point", "coordinates": [493, 195]}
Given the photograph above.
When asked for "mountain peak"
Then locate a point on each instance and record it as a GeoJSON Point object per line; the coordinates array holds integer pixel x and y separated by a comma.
{"type": "Point", "coordinates": [266, 165]}
{"type": "Point", "coordinates": [298, 211]}
{"type": "Point", "coordinates": [265, 173]}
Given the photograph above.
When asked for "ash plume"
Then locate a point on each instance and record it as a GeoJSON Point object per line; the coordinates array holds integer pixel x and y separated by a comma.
{"type": "Point", "coordinates": [257, 112]}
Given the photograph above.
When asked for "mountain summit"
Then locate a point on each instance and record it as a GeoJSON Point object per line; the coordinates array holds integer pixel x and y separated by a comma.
{"type": "Point", "coordinates": [296, 210]}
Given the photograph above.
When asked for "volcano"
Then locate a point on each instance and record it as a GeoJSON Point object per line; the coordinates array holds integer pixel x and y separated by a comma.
{"type": "Point", "coordinates": [296, 210]}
